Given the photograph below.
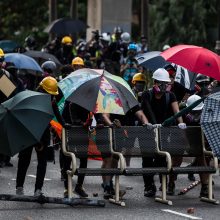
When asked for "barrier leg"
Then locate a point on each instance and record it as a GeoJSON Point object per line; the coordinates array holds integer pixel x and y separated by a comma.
{"type": "Point", "coordinates": [116, 200]}
{"type": "Point", "coordinates": [70, 185]}
{"type": "Point", "coordinates": [210, 198]}
{"type": "Point", "coordinates": [163, 199]}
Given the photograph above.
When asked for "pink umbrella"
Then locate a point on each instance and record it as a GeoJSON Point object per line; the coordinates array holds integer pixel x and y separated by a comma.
{"type": "Point", "coordinates": [194, 58]}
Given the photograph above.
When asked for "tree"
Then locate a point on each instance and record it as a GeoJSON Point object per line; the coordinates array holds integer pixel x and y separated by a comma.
{"type": "Point", "coordinates": [188, 22]}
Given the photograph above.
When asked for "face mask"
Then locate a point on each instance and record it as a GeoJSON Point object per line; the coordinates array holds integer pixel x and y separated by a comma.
{"type": "Point", "coordinates": [193, 117]}
{"type": "Point", "coordinates": [140, 87]}
{"type": "Point", "coordinates": [163, 87]}
{"type": "Point", "coordinates": [67, 48]}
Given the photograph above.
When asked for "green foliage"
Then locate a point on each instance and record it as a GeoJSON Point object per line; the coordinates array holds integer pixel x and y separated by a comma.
{"type": "Point", "coordinates": [171, 21]}
{"type": "Point", "coordinates": [189, 22]}
{"type": "Point", "coordinates": [22, 18]}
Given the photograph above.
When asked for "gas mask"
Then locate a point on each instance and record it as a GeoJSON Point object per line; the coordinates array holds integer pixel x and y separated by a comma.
{"type": "Point", "coordinates": [160, 88]}
{"type": "Point", "coordinates": [67, 48]}
{"type": "Point", "coordinates": [140, 86]}
{"type": "Point", "coordinates": [193, 117]}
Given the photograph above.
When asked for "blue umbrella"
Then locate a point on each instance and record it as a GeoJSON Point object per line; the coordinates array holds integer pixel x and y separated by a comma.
{"type": "Point", "coordinates": [8, 46]}
{"type": "Point", "coordinates": [22, 61]}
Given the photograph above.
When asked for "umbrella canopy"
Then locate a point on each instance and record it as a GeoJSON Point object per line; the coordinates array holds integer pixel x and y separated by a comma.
{"type": "Point", "coordinates": [210, 122]}
{"type": "Point", "coordinates": [23, 119]}
{"type": "Point", "coordinates": [65, 26]}
{"type": "Point", "coordinates": [151, 60]}
{"type": "Point", "coordinates": [8, 46]}
{"type": "Point", "coordinates": [22, 61]}
{"type": "Point", "coordinates": [41, 57]}
{"type": "Point", "coordinates": [194, 58]}
{"type": "Point", "coordinates": [98, 91]}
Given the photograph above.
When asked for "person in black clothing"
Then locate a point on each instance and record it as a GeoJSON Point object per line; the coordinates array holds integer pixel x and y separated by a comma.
{"type": "Point", "coordinates": [192, 119]}
{"type": "Point", "coordinates": [114, 120]}
{"type": "Point", "coordinates": [75, 115]}
{"type": "Point", "coordinates": [47, 85]}
{"type": "Point", "coordinates": [65, 53]}
{"type": "Point", "coordinates": [158, 105]}
{"type": "Point", "coordinates": [13, 77]}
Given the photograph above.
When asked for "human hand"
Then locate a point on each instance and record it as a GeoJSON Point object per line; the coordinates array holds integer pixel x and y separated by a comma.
{"type": "Point", "coordinates": [182, 125]}
{"type": "Point", "coordinates": [149, 126]}
{"type": "Point", "coordinates": [157, 125]}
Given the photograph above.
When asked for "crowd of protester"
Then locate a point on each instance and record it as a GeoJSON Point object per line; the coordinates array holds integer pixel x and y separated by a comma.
{"type": "Point", "coordinates": [115, 53]}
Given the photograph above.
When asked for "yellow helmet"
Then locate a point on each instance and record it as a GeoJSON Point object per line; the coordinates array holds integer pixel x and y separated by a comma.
{"type": "Point", "coordinates": [139, 77]}
{"type": "Point", "coordinates": [67, 40]}
{"type": "Point", "coordinates": [2, 54]}
{"type": "Point", "coordinates": [78, 61]}
{"type": "Point", "coordinates": [49, 84]}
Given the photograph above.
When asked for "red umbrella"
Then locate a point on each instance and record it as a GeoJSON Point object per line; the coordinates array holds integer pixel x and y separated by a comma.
{"type": "Point", "coordinates": [194, 58]}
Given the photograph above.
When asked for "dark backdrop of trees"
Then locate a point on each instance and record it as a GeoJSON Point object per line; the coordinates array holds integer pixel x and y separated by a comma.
{"type": "Point", "coordinates": [170, 21]}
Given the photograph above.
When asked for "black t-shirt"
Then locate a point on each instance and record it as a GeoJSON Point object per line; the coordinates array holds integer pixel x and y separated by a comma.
{"type": "Point", "coordinates": [128, 119]}
{"type": "Point", "coordinates": [74, 114]}
{"type": "Point", "coordinates": [161, 108]}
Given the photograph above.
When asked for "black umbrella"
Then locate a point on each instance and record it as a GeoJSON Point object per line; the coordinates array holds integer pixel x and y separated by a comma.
{"type": "Point", "coordinates": [98, 91]}
{"type": "Point", "coordinates": [210, 122]}
{"type": "Point", "coordinates": [65, 26]}
{"type": "Point", "coordinates": [23, 120]}
{"type": "Point", "coordinates": [41, 57]}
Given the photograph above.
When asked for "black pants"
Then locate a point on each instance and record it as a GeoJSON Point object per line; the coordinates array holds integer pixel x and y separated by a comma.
{"type": "Point", "coordinates": [24, 162]}
{"type": "Point", "coordinates": [152, 162]}
{"type": "Point", "coordinates": [66, 161]}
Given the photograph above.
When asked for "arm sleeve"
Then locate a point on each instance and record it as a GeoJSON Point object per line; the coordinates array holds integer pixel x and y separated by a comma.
{"type": "Point", "coordinates": [56, 111]}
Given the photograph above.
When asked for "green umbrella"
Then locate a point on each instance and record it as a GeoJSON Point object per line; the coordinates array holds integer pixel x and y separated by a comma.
{"type": "Point", "coordinates": [23, 120]}
{"type": "Point", "coordinates": [186, 110]}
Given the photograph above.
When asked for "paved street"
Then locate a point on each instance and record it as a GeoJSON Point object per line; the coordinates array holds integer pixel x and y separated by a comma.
{"type": "Point", "coordinates": [137, 206]}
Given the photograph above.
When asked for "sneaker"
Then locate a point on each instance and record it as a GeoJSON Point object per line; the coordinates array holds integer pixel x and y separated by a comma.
{"type": "Point", "coordinates": [171, 189]}
{"type": "Point", "coordinates": [191, 177]}
{"type": "Point", "coordinates": [19, 191]}
{"type": "Point", "coordinates": [62, 177]}
{"type": "Point", "coordinates": [8, 164]}
{"type": "Point", "coordinates": [204, 191]}
{"type": "Point", "coordinates": [38, 193]}
{"type": "Point", "coordinates": [65, 193]}
{"type": "Point", "coordinates": [2, 164]}
{"type": "Point", "coordinates": [108, 193]}
{"type": "Point", "coordinates": [150, 191]}
{"type": "Point", "coordinates": [80, 191]}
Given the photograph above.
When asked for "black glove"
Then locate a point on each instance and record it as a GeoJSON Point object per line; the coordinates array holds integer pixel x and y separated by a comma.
{"type": "Point", "coordinates": [149, 126]}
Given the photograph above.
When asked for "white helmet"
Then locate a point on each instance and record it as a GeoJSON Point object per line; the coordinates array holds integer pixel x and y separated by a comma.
{"type": "Point", "coordinates": [161, 75]}
{"type": "Point", "coordinates": [192, 99]}
{"type": "Point", "coordinates": [106, 37]}
{"type": "Point", "coordinates": [126, 37]}
{"type": "Point", "coordinates": [166, 46]}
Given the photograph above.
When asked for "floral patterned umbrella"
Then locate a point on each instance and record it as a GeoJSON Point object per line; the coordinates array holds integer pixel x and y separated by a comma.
{"type": "Point", "coordinates": [98, 91]}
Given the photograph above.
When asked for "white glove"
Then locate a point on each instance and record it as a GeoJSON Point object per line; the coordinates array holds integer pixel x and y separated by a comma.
{"type": "Point", "coordinates": [182, 125]}
{"type": "Point", "coordinates": [157, 125]}
{"type": "Point", "coordinates": [149, 126]}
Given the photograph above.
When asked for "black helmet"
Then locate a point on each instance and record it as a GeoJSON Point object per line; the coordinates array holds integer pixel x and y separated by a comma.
{"type": "Point", "coordinates": [30, 41]}
{"type": "Point", "coordinates": [202, 78]}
